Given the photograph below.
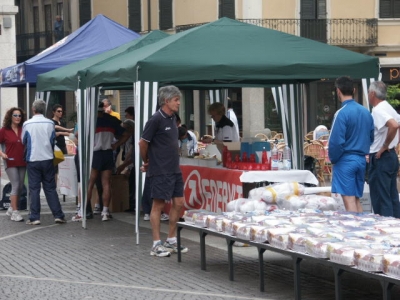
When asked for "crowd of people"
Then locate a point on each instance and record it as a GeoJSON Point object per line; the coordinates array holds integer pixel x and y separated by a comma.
{"type": "Point", "coordinates": [359, 141]}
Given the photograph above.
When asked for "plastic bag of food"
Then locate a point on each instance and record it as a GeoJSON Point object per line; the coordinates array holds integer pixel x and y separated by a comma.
{"type": "Point", "coordinates": [391, 265]}
{"type": "Point", "coordinates": [190, 216]}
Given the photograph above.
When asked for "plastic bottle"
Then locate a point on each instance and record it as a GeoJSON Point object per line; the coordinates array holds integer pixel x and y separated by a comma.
{"type": "Point", "coordinates": [244, 156]}
{"type": "Point", "coordinates": [287, 158]}
{"type": "Point", "coordinates": [264, 157]}
{"type": "Point", "coordinates": [274, 159]}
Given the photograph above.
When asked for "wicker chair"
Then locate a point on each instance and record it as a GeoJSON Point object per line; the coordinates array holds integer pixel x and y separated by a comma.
{"type": "Point", "coordinates": [278, 136]}
{"type": "Point", "coordinates": [317, 151]}
{"type": "Point", "coordinates": [262, 136]}
{"type": "Point", "coordinates": [309, 136]}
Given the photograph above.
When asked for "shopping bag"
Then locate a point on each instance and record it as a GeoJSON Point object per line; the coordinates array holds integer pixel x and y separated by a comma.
{"type": "Point", "coordinates": [5, 200]}
{"type": "Point", "coordinates": [58, 156]}
{"type": "Point", "coordinates": [70, 147]}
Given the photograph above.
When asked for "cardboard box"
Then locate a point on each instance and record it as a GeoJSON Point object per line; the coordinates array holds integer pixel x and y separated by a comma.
{"type": "Point", "coordinates": [119, 194]}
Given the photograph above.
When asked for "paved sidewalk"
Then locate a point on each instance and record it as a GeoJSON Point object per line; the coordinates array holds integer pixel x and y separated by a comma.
{"type": "Point", "coordinates": [103, 262]}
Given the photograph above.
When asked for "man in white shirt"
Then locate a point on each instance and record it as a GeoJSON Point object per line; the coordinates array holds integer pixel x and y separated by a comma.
{"type": "Point", "coordinates": [38, 136]}
{"type": "Point", "coordinates": [225, 130]}
{"type": "Point", "coordinates": [383, 160]}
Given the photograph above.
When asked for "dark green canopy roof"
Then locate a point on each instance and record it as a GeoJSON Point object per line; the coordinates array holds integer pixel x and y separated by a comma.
{"type": "Point", "coordinates": [228, 52]}
{"type": "Point", "coordinates": [66, 78]}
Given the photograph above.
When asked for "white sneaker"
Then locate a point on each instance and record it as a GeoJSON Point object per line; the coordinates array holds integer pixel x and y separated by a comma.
{"type": "Point", "coordinates": [16, 216]}
{"type": "Point", "coordinates": [9, 211]}
{"type": "Point", "coordinates": [164, 217]}
{"type": "Point", "coordinates": [105, 216]}
{"type": "Point", "coordinates": [146, 217]}
{"type": "Point", "coordinates": [77, 218]}
{"type": "Point", "coordinates": [160, 251]}
{"type": "Point", "coordinates": [97, 211]}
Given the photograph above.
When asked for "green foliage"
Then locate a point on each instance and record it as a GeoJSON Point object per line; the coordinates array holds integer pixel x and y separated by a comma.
{"type": "Point", "coordinates": [393, 95]}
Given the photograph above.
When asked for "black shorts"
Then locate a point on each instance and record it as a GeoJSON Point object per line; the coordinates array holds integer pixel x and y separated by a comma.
{"type": "Point", "coordinates": [103, 160]}
{"type": "Point", "coordinates": [166, 186]}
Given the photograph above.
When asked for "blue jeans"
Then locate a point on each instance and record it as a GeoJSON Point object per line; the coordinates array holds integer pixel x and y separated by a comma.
{"type": "Point", "coordinates": [43, 172]}
{"type": "Point", "coordinates": [382, 179]}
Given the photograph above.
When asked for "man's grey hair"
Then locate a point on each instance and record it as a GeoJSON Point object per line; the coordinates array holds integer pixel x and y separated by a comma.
{"type": "Point", "coordinates": [167, 93]}
{"type": "Point", "coordinates": [379, 88]}
{"type": "Point", "coordinates": [107, 100]}
{"type": "Point", "coordinates": [39, 106]}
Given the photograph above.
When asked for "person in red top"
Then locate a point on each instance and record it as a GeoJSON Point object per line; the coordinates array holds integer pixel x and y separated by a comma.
{"type": "Point", "coordinates": [10, 137]}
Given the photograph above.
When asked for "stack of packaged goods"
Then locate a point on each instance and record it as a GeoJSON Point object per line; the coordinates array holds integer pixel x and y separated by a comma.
{"type": "Point", "coordinates": [367, 241]}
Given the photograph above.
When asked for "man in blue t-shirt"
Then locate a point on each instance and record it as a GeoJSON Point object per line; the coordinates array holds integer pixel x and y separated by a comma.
{"type": "Point", "coordinates": [352, 134]}
{"type": "Point", "coordinates": [160, 154]}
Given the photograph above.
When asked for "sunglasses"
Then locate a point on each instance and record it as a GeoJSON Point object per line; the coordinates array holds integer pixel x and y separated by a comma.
{"type": "Point", "coordinates": [59, 111]}
{"type": "Point", "coordinates": [17, 116]}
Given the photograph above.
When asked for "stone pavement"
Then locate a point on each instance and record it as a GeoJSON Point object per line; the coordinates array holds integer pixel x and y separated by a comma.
{"type": "Point", "coordinates": [103, 262]}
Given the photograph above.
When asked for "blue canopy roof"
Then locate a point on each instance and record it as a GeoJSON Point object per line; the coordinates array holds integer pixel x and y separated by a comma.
{"type": "Point", "coordinates": [98, 35]}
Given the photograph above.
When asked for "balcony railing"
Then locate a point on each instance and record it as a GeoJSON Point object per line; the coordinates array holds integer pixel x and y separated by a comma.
{"type": "Point", "coordinates": [339, 32]}
{"type": "Point", "coordinates": [30, 44]}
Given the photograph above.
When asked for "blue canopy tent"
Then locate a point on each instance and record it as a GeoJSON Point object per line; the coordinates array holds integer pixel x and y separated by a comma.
{"type": "Point", "coordinates": [98, 35]}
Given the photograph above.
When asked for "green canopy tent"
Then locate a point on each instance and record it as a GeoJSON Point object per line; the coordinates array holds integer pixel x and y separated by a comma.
{"type": "Point", "coordinates": [231, 53]}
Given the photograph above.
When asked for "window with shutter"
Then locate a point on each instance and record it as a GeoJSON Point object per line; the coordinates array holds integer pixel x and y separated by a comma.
{"type": "Point", "coordinates": [389, 9]}
{"type": "Point", "coordinates": [313, 20]}
{"type": "Point", "coordinates": [165, 14]}
{"type": "Point", "coordinates": [135, 16]}
{"type": "Point", "coordinates": [227, 9]}
{"type": "Point", "coordinates": [308, 9]}
{"type": "Point", "coordinates": [85, 12]}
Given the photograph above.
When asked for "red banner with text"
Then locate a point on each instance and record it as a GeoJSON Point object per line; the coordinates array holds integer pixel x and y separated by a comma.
{"type": "Point", "coordinates": [209, 188]}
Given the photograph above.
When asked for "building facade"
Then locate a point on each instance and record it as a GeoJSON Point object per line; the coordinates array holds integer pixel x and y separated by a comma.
{"type": "Point", "coordinates": [365, 26]}
{"type": "Point", "coordinates": [8, 97]}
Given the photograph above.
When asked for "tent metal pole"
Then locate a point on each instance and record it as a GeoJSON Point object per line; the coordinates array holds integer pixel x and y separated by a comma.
{"type": "Point", "coordinates": [136, 165]}
{"type": "Point", "coordinates": [1, 184]}
{"type": "Point", "coordinates": [27, 101]}
{"type": "Point", "coordinates": [28, 198]}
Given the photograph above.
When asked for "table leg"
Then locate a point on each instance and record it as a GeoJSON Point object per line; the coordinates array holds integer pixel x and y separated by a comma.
{"type": "Point", "coordinates": [178, 241]}
{"type": "Point", "coordinates": [230, 257]}
{"type": "Point", "coordinates": [386, 290]}
{"type": "Point", "coordinates": [261, 267]}
{"type": "Point", "coordinates": [203, 249]}
{"type": "Point", "coordinates": [63, 198]}
{"type": "Point", "coordinates": [338, 282]}
{"type": "Point", "coordinates": [297, 279]}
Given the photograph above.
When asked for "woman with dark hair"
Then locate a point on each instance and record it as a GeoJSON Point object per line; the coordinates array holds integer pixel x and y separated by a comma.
{"type": "Point", "coordinates": [10, 137]}
{"type": "Point", "coordinates": [61, 131]}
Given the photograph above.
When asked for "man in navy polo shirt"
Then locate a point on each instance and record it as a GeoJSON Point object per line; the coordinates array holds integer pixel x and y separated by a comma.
{"type": "Point", "coordinates": [160, 154]}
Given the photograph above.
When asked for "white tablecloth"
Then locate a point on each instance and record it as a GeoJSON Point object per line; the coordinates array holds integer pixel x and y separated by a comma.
{"type": "Point", "coordinates": [302, 176]}
{"type": "Point", "coordinates": [67, 179]}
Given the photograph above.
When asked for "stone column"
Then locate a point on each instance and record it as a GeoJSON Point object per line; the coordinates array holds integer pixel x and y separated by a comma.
{"type": "Point", "coordinates": [253, 111]}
